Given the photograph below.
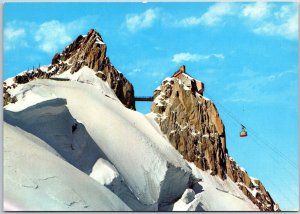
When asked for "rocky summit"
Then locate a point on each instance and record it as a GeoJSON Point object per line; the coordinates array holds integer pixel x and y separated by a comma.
{"type": "Point", "coordinates": [193, 126]}
{"type": "Point", "coordinates": [88, 50]}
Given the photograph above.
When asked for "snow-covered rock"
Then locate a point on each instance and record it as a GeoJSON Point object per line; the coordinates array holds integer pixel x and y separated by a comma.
{"type": "Point", "coordinates": [104, 172]}
{"type": "Point", "coordinates": [105, 129]}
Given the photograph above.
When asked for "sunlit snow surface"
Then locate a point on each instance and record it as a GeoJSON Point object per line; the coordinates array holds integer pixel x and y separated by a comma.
{"type": "Point", "coordinates": [73, 146]}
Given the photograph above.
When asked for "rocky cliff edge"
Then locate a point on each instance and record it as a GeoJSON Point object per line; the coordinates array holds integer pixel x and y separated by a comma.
{"type": "Point", "coordinates": [193, 126]}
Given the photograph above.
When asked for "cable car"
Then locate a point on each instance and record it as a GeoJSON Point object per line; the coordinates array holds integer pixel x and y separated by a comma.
{"type": "Point", "coordinates": [243, 132]}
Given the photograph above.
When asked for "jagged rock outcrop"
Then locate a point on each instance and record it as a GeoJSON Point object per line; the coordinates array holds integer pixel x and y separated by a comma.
{"type": "Point", "coordinates": [251, 187]}
{"type": "Point", "coordinates": [89, 50]}
{"type": "Point", "coordinates": [193, 126]}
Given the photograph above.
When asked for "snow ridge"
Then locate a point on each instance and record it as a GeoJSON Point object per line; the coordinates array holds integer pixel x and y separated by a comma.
{"type": "Point", "coordinates": [73, 130]}
{"type": "Point", "coordinates": [136, 168]}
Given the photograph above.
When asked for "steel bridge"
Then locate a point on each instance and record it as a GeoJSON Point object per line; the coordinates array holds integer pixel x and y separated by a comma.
{"type": "Point", "coordinates": [143, 98]}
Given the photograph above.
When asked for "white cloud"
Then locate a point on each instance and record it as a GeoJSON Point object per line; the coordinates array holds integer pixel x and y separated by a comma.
{"type": "Point", "coordinates": [256, 11]}
{"type": "Point", "coordinates": [285, 23]}
{"type": "Point", "coordinates": [279, 75]}
{"type": "Point", "coordinates": [11, 33]}
{"type": "Point", "coordinates": [213, 16]}
{"type": "Point", "coordinates": [135, 22]}
{"type": "Point", "coordinates": [283, 12]}
{"type": "Point", "coordinates": [13, 37]}
{"type": "Point", "coordinates": [188, 22]}
{"type": "Point", "coordinates": [262, 18]}
{"type": "Point", "coordinates": [134, 72]}
{"type": "Point", "coordinates": [219, 56]}
{"type": "Point", "coordinates": [48, 37]}
{"type": "Point", "coordinates": [52, 35]}
{"type": "Point", "coordinates": [216, 12]}
{"type": "Point", "coordinates": [188, 57]}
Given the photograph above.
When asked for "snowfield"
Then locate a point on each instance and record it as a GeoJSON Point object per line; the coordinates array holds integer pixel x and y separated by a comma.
{"type": "Point", "coordinates": [72, 145]}
{"type": "Point", "coordinates": [37, 179]}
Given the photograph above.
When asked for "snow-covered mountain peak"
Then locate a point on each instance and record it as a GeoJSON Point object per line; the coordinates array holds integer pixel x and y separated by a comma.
{"type": "Point", "coordinates": [85, 51]}
{"type": "Point", "coordinates": [88, 48]}
{"type": "Point", "coordinates": [96, 35]}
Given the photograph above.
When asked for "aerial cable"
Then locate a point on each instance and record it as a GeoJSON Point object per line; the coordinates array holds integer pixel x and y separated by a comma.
{"type": "Point", "coordinates": [282, 193]}
{"type": "Point", "coordinates": [276, 160]}
{"type": "Point", "coordinates": [285, 170]}
{"type": "Point", "coordinates": [269, 146]}
{"type": "Point", "coordinates": [226, 111]}
{"type": "Point", "coordinates": [274, 149]}
{"type": "Point", "coordinates": [257, 141]}
{"type": "Point", "coordinates": [282, 181]}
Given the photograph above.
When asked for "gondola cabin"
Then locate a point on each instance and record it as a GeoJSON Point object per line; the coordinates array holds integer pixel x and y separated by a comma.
{"type": "Point", "coordinates": [243, 132]}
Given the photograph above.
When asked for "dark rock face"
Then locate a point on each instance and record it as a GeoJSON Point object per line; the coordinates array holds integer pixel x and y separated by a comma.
{"type": "Point", "coordinates": [22, 79]}
{"type": "Point", "coordinates": [55, 58]}
{"type": "Point", "coordinates": [89, 50]}
{"type": "Point", "coordinates": [8, 99]}
{"type": "Point", "coordinates": [251, 187]}
{"type": "Point", "coordinates": [193, 126]}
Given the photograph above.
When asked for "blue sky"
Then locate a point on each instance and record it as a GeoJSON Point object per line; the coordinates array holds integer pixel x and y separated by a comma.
{"type": "Point", "coordinates": [245, 53]}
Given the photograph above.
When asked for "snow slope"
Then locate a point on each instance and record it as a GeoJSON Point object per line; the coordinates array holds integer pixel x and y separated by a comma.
{"type": "Point", "coordinates": [213, 193]}
{"type": "Point", "coordinates": [37, 179]}
{"type": "Point", "coordinates": [82, 123]}
{"type": "Point", "coordinates": [146, 161]}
